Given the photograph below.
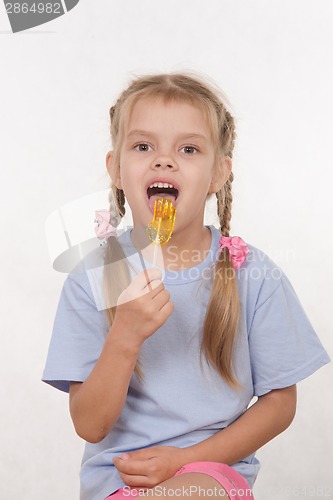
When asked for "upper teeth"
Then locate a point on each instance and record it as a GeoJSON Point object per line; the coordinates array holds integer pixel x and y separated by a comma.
{"type": "Point", "coordinates": [161, 185]}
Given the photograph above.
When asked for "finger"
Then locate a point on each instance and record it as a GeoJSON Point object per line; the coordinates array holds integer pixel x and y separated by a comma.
{"type": "Point", "coordinates": [144, 278]}
{"type": "Point", "coordinates": [153, 288]}
{"type": "Point", "coordinates": [156, 288]}
{"type": "Point", "coordinates": [136, 481]}
{"type": "Point", "coordinates": [131, 467]}
{"type": "Point", "coordinates": [152, 285]}
{"type": "Point", "coordinates": [142, 454]}
{"type": "Point", "coordinates": [131, 294]}
{"type": "Point", "coordinates": [161, 298]}
{"type": "Point", "coordinates": [165, 312]}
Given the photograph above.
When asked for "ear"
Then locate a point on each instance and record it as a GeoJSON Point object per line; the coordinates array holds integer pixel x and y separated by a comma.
{"type": "Point", "coordinates": [221, 174]}
{"type": "Point", "coordinates": [113, 173]}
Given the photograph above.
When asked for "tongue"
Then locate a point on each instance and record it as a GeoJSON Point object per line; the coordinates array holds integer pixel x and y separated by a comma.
{"type": "Point", "coordinates": [152, 199]}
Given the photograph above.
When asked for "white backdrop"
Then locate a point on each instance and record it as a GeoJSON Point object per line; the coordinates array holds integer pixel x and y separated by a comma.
{"type": "Point", "coordinates": [274, 62]}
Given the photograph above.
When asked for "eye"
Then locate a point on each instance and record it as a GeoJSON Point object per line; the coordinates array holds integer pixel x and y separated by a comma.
{"type": "Point", "coordinates": [142, 147]}
{"type": "Point", "coordinates": [189, 149]}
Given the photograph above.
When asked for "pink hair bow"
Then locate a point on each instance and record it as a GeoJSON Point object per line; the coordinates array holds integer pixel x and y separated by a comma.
{"type": "Point", "coordinates": [237, 249]}
{"type": "Point", "coordinates": [104, 229]}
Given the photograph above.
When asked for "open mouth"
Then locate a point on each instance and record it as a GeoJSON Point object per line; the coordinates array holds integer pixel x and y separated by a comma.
{"type": "Point", "coordinates": [162, 189]}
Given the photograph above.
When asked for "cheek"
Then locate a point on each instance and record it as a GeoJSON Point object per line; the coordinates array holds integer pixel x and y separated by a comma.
{"type": "Point", "coordinates": [125, 173]}
{"type": "Point", "coordinates": [200, 182]}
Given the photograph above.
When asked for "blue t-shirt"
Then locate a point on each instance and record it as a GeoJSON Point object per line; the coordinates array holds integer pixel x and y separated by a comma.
{"type": "Point", "coordinates": [182, 401]}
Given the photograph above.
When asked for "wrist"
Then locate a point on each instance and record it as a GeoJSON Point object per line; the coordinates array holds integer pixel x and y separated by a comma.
{"type": "Point", "coordinates": [204, 451]}
{"type": "Point", "coordinates": [186, 456]}
{"type": "Point", "coordinates": [122, 342]}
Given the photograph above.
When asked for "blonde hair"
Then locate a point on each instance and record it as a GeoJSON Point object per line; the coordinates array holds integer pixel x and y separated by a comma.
{"type": "Point", "coordinates": [222, 315]}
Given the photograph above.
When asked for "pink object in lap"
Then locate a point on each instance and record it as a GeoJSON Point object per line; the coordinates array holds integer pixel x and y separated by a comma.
{"type": "Point", "coordinates": [229, 479]}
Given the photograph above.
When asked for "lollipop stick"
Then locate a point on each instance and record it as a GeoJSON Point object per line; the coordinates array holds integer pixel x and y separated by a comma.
{"type": "Point", "coordinates": [155, 255]}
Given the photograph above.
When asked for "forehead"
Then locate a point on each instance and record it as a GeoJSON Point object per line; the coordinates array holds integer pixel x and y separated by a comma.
{"type": "Point", "coordinates": [177, 116]}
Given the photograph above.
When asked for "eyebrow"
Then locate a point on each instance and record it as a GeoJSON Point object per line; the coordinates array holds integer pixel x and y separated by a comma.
{"type": "Point", "coordinates": [145, 133]}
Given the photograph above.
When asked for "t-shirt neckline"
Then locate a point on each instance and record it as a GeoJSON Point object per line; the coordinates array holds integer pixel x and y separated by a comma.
{"type": "Point", "coordinates": [180, 275]}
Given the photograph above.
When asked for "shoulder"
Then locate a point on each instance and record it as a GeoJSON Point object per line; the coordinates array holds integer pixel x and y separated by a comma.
{"type": "Point", "coordinates": [259, 277]}
{"type": "Point", "coordinates": [258, 266]}
{"type": "Point", "coordinates": [263, 285]}
{"type": "Point", "coordinates": [93, 260]}
{"type": "Point", "coordinates": [79, 285]}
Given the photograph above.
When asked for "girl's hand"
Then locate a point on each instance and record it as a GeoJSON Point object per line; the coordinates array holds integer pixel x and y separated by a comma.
{"type": "Point", "coordinates": [148, 467]}
{"type": "Point", "coordinates": [143, 307]}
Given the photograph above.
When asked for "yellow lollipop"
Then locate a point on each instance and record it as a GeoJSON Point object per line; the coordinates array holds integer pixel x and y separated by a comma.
{"type": "Point", "coordinates": [161, 227]}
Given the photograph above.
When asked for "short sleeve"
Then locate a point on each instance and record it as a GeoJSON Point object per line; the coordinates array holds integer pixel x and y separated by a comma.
{"type": "Point", "coordinates": [78, 335]}
{"type": "Point", "coordinates": [284, 348]}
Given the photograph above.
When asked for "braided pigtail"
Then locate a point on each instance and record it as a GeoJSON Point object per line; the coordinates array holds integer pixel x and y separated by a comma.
{"type": "Point", "coordinates": [116, 272]}
{"type": "Point", "coordinates": [224, 203]}
{"type": "Point", "coordinates": [120, 200]}
{"type": "Point", "coordinates": [221, 321]}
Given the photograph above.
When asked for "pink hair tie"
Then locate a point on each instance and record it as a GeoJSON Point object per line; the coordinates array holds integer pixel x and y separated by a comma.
{"type": "Point", "coordinates": [104, 229]}
{"type": "Point", "coordinates": [237, 249]}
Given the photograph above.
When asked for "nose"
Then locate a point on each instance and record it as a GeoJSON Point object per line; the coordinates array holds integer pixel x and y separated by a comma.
{"type": "Point", "coordinates": [164, 162]}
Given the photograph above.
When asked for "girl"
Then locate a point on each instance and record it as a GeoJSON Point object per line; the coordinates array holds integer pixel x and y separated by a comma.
{"type": "Point", "coordinates": [162, 359]}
